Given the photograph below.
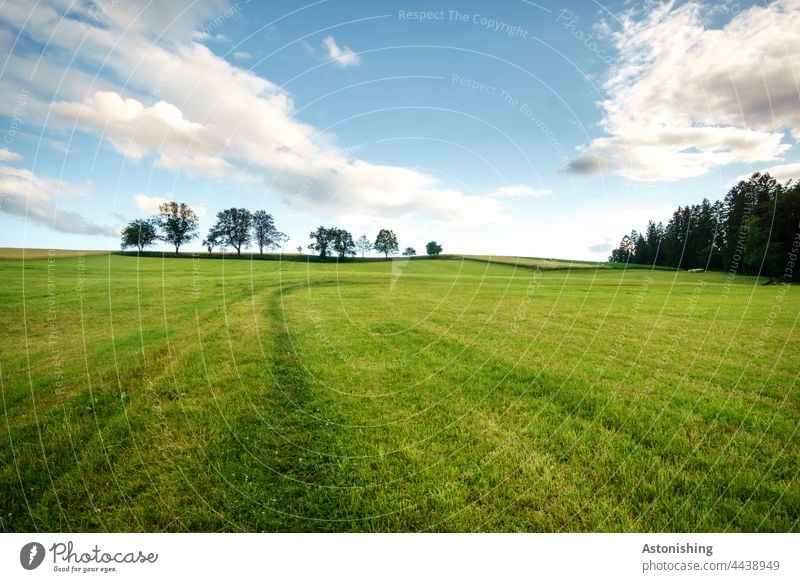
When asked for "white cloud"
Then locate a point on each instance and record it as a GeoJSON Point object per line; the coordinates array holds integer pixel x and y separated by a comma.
{"type": "Point", "coordinates": [684, 99]}
{"type": "Point", "coordinates": [213, 118]}
{"type": "Point", "coordinates": [781, 173]}
{"type": "Point", "coordinates": [176, 19]}
{"type": "Point", "coordinates": [205, 116]}
{"type": "Point", "coordinates": [241, 55]}
{"type": "Point", "coordinates": [519, 191]}
{"type": "Point", "coordinates": [136, 130]}
{"type": "Point", "coordinates": [6, 155]}
{"type": "Point", "coordinates": [196, 165]}
{"type": "Point", "coordinates": [345, 57]}
{"type": "Point", "coordinates": [32, 197]}
{"type": "Point", "coordinates": [149, 204]}
{"type": "Point", "coordinates": [602, 247]}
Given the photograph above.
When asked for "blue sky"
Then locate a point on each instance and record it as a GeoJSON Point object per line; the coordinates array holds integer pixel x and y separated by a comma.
{"type": "Point", "coordinates": [520, 128]}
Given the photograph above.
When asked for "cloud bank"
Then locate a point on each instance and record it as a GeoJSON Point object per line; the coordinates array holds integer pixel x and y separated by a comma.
{"type": "Point", "coordinates": [684, 98]}
{"type": "Point", "coordinates": [32, 197]}
{"type": "Point", "coordinates": [186, 109]}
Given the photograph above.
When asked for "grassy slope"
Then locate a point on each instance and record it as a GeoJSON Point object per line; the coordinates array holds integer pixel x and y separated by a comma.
{"type": "Point", "coordinates": [233, 395]}
{"type": "Point", "coordinates": [34, 254]}
{"type": "Point", "coordinates": [535, 262]}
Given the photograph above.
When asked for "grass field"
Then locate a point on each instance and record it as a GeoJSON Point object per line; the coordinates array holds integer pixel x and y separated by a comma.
{"type": "Point", "coordinates": [438, 395]}
{"type": "Point", "coordinates": [35, 254]}
{"type": "Point", "coordinates": [540, 263]}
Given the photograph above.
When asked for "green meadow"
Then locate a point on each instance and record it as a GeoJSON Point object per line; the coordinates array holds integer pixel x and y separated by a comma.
{"type": "Point", "coordinates": [180, 394]}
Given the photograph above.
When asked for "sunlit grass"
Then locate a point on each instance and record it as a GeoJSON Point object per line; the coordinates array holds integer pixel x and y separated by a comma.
{"type": "Point", "coordinates": [184, 394]}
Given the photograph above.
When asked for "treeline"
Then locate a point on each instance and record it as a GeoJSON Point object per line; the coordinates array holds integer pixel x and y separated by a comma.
{"type": "Point", "coordinates": [239, 228]}
{"type": "Point", "coordinates": [335, 241]}
{"type": "Point", "coordinates": [177, 224]}
{"type": "Point", "coordinates": [754, 230]}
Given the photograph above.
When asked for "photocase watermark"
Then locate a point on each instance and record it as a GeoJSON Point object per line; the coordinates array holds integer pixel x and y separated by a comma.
{"type": "Point", "coordinates": [330, 345]}
{"type": "Point", "coordinates": [196, 276]}
{"type": "Point", "coordinates": [54, 333]}
{"type": "Point", "coordinates": [81, 273]}
{"type": "Point", "coordinates": [511, 443]}
{"type": "Point", "coordinates": [475, 19]}
{"type": "Point", "coordinates": [399, 265]}
{"type": "Point", "coordinates": [744, 229]}
{"type": "Point", "coordinates": [169, 450]}
{"type": "Point", "coordinates": [31, 555]}
{"type": "Point", "coordinates": [788, 273]}
{"type": "Point", "coordinates": [347, 153]}
{"type": "Point", "coordinates": [777, 303]}
{"type": "Point", "coordinates": [507, 98]}
{"type": "Point", "coordinates": [223, 17]}
{"type": "Point", "coordinates": [629, 329]}
{"type": "Point", "coordinates": [533, 285]}
{"type": "Point", "coordinates": [14, 124]}
{"type": "Point", "coordinates": [81, 264]}
{"type": "Point", "coordinates": [101, 7]}
{"type": "Point", "coordinates": [569, 20]}
{"type": "Point", "coordinates": [155, 89]}
{"type": "Point", "coordinates": [66, 559]}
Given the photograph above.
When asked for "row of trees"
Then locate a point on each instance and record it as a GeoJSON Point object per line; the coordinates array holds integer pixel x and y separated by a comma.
{"type": "Point", "coordinates": [177, 224]}
{"type": "Point", "coordinates": [334, 241]}
{"type": "Point", "coordinates": [752, 231]}
{"type": "Point", "coordinates": [238, 228]}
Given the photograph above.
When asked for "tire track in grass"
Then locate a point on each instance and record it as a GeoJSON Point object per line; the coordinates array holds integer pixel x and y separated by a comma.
{"type": "Point", "coordinates": [278, 458]}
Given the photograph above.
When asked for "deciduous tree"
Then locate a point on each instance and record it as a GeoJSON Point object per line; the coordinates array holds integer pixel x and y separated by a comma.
{"type": "Point", "coordinates": [321, 241]}
{"type": "Point", "coordinates": [433, 248]}
{"type": "Point", "coordinates": [343, 244]}
{"type": "Point", "coordinates": [233, 227]}
{"type": "Point", "coordinates": [140, 233]}
{"type": "Point", "coordinates": [265, 234]}
{"type": "Point", "coordinates": [363, 245]}
{"type": "Point", "coordinates": [178, 223]}
{"type": "Point", "coordinates": [386, 242]}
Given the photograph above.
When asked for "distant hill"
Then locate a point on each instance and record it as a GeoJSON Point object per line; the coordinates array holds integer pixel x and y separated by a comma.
{"type": "Point", "coordinates": [17, 253]}
{"type": "Point", "coordinates": [546, 264]}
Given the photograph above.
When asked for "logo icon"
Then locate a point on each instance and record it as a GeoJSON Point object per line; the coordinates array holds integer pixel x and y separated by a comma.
{"type": "Point", "coordinates": [31, 555]}
{"type": "Point", "coordinates": [397, 270]}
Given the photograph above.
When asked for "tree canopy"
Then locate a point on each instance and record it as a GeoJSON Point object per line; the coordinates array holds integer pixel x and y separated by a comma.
{"type": "Point", "coordinates": [433, 248]}
{"type": "Point", "coordinates": [363, 245]}
{"type": "Point", "coordinates": [332, 240]}
{"type": "Point", "coordinates": [140, 233]}
{"type": "Point", "coordinates": [386, 242]}
{"type": "Point", "coordinates": [752, 231]}
{"type": "Point", "coordinates": [178, 223]}
{"type": "Point", "coordinates": [213, 240]}
{"type": "Point", "coordinates": [233, 228]}
{"type": "Point", "coordinates": [320, 241]}
{"type": "Point", "coordinates": [343, 244]}
{"type": "Point", "coordinates": [265, 234]}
